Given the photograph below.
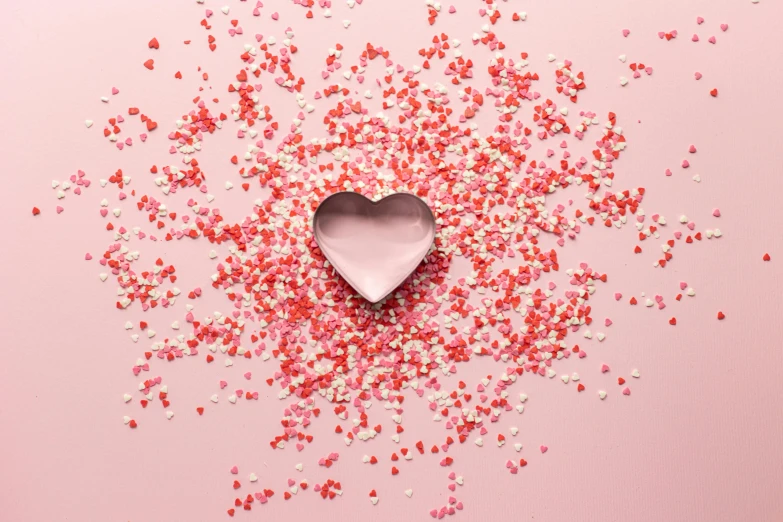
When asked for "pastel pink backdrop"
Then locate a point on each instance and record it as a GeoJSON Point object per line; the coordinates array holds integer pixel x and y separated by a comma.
{"type": "Point", "coordinates": [700, 437]}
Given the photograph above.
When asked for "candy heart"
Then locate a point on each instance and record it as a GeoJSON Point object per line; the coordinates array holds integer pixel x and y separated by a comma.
{"type": "Point", "coordinates": [375, 246]}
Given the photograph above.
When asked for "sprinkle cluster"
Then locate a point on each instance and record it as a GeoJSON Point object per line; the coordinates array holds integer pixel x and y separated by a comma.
{"type": "Point", "coordinates": [326, 349]}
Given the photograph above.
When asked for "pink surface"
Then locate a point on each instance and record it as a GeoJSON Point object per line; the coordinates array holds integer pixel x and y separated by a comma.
{"type": "Point", "coordinates": [374, 245]}
{"type": "Point", "coordinates": [698, 439]}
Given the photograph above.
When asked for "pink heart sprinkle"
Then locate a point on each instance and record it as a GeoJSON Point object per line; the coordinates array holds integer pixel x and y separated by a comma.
{"type": "Point", "coordinates": [626, 32]}
{"type": "Point", "coordinates": [699, 20]}
{"type": "Point", "coordinates": [626, 391]}
{"type": "Point", "coordinates": [724, 27]}
{"type": "Point", "coordinates": [618, 296]}
{"type": "Point", "coordinates": [716, 212]}
{"type": "Point", "coordinates": [712, 40]}
{"type": "Point", "coordinates": [697, 75]}
{"type": "Point", "coordinates": [543, 449]}
{"type": "Point", "coordinates": [695, 38]}
{"type": "Point", "coordinates": [685, 164]}
{"type": "Point", "coordinates": [604, 368]}
{"type": "Point", "coordinates": [87, 256]}
{"type": "Point", "coordinates": [248, 375]}
{"type": "Point", "coordinates": [223, 384]}
{"type": "Point", "coordinates": [683, 285]}
{"type": "Point", "coordinates": [59, 209]}
{"type": "Point", "coordinates": [234, 470]}
{"type": "Point", "coordinates": [452, 9]}
{"type": "Point", "coordinates": [608, 322]}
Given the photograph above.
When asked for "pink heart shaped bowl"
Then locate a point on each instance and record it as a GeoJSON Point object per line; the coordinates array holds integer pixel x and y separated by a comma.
{"type": "Point", "coordinates": [374, 246]}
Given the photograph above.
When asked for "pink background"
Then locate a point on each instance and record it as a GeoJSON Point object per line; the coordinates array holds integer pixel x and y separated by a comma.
{"type": "Point", "coordinates": [698, 439]}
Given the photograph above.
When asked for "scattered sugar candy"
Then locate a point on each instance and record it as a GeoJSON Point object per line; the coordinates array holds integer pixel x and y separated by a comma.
{"type": "Point", "coordinates": [267, 266]}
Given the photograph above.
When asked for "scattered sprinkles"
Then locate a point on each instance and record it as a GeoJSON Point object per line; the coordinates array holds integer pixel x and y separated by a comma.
{"type": "Point", "coordinates": [292, 327]}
